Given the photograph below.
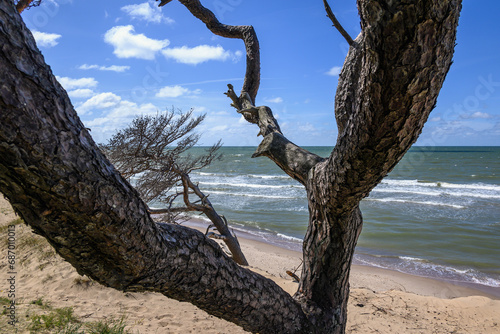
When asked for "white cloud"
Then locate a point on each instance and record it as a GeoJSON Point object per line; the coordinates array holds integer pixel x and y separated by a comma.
{"type": "Point", "coordinates": [114, 68]}
{"type": "Point", "coordinates": [130, 45]}
{"type": "Point", "coordinates": [117, 117]}
{"type": "Point", "coordinates": [198, 54]}
{"type": "Point", "coordinates": [89, 67]}
{"type": "Point", "coordinates": [44, 39]}
{"type": "Point", "coordinates": [99, 101]}
{"type": "Point", "coordinates": [69, 83]}
{"type": "Point", "coordinates": [476, 115]}
{"type": "Point", "coordinates": [114, 106]}
{"type": "Point", "coordinates": [334, 71]}
{"type": "Point", "coordinates": [175, 91]}
{"type": "Point", "coordinates": [127, 110]}
{"type": "Point", "coordinates": [147, 11]}
{"type": "Point", "coordinates": [274, 100]}
{"type": "Point", "coordinates": [435, 119]}
{"type": "Point", "coordinates": [81, 93]}
{"type": "Point", "coordinates": [236, 56]}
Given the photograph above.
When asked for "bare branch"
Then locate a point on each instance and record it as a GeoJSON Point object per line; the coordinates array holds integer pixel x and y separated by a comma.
{"type": "Point", "coordinates": [170, 210]}
{"type": "Point", "coordinates": [217, 220]}
{"type": "Point", "coordinates": [337, 24]}
{"type": "Point", "coordinates": [243, 32]}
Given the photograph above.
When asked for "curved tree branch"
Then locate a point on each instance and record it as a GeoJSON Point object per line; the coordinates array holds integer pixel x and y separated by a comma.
{"type": "Point", "coordinates": [297, 161]}
{"type": "Point", "coordinates": [245, 33]}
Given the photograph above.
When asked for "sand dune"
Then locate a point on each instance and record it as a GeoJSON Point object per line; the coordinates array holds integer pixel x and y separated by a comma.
{"type": "Point", "coordinates": [381, 301]}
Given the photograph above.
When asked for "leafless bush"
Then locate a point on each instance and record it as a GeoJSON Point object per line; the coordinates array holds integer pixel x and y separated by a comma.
{"type": "Point", "coordinates": [153, 153]}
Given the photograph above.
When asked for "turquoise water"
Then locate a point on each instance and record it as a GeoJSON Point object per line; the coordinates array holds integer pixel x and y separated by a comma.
{"type": "Point", "coordinates": [436, 215]}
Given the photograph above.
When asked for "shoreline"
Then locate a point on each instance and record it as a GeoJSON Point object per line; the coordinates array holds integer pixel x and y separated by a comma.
{"type": "Point", "coordinates": [370, 277]}
{"type": "Point", "coordinates": [380, 301]}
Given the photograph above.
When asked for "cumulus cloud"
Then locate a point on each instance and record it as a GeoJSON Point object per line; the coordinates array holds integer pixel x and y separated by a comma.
{"type": "Point", "coordinates": [176, 91]}
{"type": "Point", "coordinates": [44, 39]}
{"type": "Point", "coordinates": [81, 93]}
{"type": "Point", "coordinates": [99, 101]}
{"type": "Point", "coordinates": [70, 83]}
{"type": "Point", "coordinates": [114, 68]}
{"type": "Point", "coordinates": [148, 12]}
{"type": "Point", "coordinates": [172, 91]}
{"type": "Point", "coordinates": [127, 44]}
{"type": "Point", "coordinates": [114, 106]}
{"type": "Point", "coordinates": [199, 54]}
{"type": "Point", "coordinates": [274, 100]}
{"type": "Point", "coordinates": [334, 71]}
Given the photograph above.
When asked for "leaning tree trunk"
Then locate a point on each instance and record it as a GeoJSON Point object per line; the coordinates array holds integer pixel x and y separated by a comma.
{"type": "Point", "coordinates": [59, 182]}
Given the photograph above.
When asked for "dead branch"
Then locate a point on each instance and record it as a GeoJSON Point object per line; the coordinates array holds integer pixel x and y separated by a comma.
{"type": "Point", "coordinates": [218, 221]}
{"type": "Point", "coordinates": [243, 32]}
{"type": "Point", "coordinates": [337, 24]}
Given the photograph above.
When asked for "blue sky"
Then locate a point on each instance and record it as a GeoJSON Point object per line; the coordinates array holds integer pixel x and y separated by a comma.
{"type": "Point", "coordinates": [121, 59]}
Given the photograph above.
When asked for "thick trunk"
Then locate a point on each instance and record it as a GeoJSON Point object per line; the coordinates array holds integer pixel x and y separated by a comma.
{"type": "Point", "coordinates": [328, 251]}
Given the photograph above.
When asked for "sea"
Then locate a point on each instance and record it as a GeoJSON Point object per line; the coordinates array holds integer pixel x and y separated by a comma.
{"type": "Point", "coordinates": [437, 214]}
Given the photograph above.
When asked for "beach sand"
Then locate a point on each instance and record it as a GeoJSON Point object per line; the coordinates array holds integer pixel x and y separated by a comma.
{"type": "Point", "coordinates": [381, 301]}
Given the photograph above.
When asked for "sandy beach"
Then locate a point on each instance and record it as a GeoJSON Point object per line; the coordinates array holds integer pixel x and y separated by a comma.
{"type": "Point", "coordinates": [381, 301]}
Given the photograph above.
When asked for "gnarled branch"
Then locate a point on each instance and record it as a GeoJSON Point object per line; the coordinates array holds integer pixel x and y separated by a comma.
{"type": "Point", "coordinates": [243, 32]}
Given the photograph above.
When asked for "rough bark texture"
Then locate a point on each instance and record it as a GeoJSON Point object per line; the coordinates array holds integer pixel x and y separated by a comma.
{"type": "Point", "coordinates": [60, 183]}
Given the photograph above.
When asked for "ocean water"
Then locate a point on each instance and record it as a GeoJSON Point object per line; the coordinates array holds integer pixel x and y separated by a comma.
{"type": "Point", "coordinates": [436, 215]}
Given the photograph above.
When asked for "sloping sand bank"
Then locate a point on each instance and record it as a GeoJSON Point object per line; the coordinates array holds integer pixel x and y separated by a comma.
{"type": "Point", "coordinates": [381, 301]}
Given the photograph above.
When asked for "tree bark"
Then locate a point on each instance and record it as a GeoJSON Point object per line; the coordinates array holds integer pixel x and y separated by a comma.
{"type": "Point", "coordinates": [60, 183]}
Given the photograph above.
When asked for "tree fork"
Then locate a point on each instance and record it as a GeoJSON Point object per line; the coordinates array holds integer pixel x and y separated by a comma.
{"type": "Point", "coordinates": [388, 86]}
